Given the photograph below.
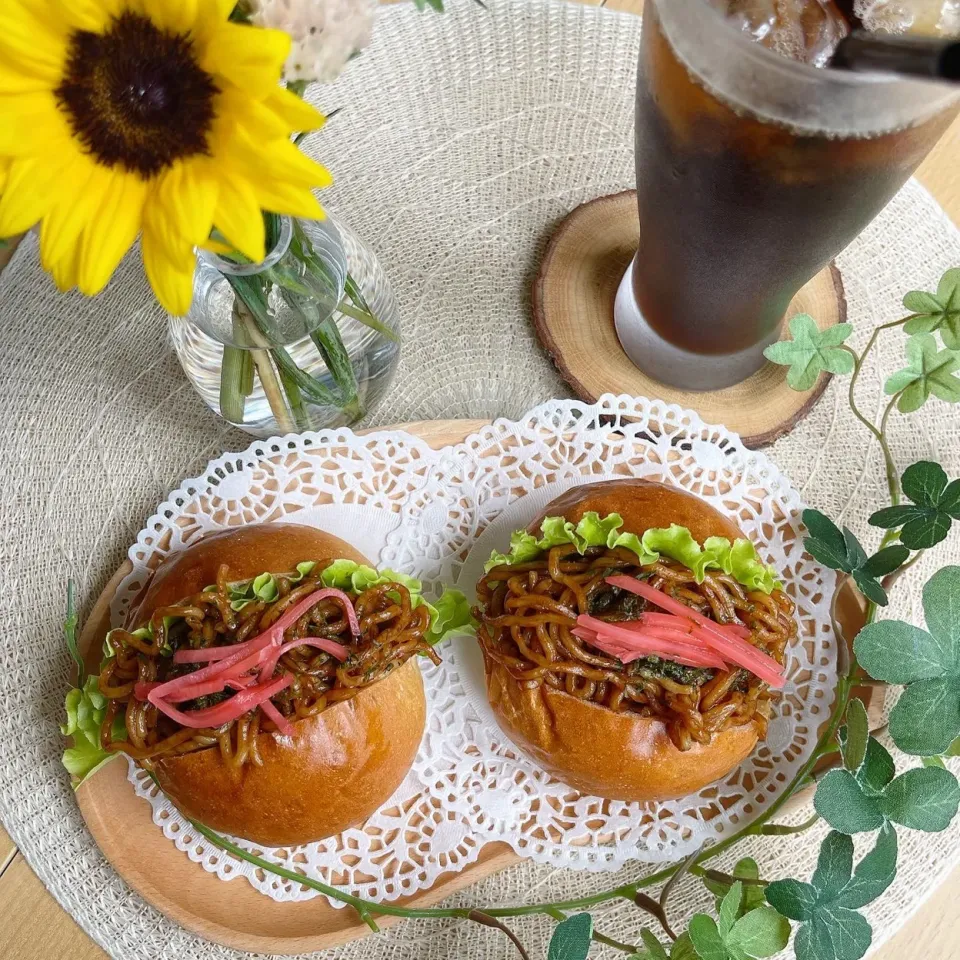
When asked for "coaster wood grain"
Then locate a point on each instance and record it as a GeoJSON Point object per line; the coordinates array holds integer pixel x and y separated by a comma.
{"type": "Point", "coordinates": [573, 297]}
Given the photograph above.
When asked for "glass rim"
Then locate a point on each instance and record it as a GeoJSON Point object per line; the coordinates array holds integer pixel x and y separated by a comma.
{"type": "Point", "coordinates": [778, 89]}
{"type": "Point", "coordinates": [273, 257]}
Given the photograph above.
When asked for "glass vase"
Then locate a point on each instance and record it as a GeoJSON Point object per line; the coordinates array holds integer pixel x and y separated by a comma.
{"type": "Point", "coordinates": [304, 340]}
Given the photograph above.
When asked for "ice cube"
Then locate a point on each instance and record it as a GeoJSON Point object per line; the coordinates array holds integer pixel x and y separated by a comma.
{"type": "Point", "coordinates": [930, 17]}
{"type": "Point", "coordinates": [803, 30]}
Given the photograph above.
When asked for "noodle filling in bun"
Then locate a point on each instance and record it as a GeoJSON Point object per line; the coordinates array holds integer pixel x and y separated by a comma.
{"type": "Point", "coordinates": [633, 641]}
{"type": "Point", "coordinates": [269, 682]}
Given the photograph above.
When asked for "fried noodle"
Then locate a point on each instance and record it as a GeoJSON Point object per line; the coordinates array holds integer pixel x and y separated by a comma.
{"type": "Point", "coordinates": [526, 613]}
{"type": "Point", "coordinates": [391, 631]}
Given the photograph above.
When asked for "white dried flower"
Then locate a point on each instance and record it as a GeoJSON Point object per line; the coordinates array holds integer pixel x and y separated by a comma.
{"type": "Point", "coordinates": [325, 33]}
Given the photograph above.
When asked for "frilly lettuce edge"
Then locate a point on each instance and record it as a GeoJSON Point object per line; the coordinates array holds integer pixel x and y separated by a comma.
{"type": "Point", "coordinates": [739, 559]}
{"type": "Point", "coordinates": [85, 709]}
{"type": "Point", "coordinates": [86, 705]}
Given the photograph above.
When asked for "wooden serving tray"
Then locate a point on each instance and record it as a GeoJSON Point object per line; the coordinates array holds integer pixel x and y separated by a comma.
{"type": "Point", "coordinates": [234, 913]}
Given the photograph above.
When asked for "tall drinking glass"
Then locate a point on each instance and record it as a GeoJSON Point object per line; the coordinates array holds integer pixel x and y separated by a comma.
{"type": "Point", "coordinates": [753, 172]}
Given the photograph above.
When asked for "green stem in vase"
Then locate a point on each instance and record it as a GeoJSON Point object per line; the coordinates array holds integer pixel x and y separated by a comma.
{"type": "Point", "coordinates": [301, 413]}
{"type": "Point", "coordinates": [236, 375]}
{"type": "Point", "coordinates": [362, 311]}
{"type": "Point", "coordinates": [260, 355]}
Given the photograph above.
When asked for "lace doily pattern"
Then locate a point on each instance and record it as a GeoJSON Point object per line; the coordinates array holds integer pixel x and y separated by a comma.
{"type": "Point", "coordinates": [435, 514]}
{"type": "Point", "coordinates": [509, 471]}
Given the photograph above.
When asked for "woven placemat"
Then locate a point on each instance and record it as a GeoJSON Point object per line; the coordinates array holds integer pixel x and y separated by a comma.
{"type": "Point", "coordinates": [462, 141]}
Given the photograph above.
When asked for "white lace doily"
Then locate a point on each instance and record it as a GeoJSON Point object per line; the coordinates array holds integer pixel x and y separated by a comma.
{"type": "Point", "coordinates": [438, 515]}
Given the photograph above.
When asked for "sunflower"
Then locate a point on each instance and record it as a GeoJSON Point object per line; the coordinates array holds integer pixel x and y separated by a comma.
{"type": "Point", "coordinates": [154, 117]}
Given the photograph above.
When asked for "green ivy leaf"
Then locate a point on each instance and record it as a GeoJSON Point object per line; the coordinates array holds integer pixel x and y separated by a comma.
{"type": "Point", "coordinates": [730, 908]}
{"type": "Point", "coordinates": [831, 929]}
{"type": "Point", "coordinates": [707, 939]}
{"type": "Point", "coordinates": [834, 934]}
{"type": "Point", "coordinates": [760, 933]}
{"type": "Point", "coordinates": [874, 873]}
{"type": "Point", "coordinates": [571, 938]}
{"type": "Point", "coordinates": [793, 898]}
{"type": "Point", "coordinates": [936, 504]}
{"type": "Point", "coordinates": [921, 799]}
{"type": "Point", "coordinates": [683, 948]}
{"type": "Point", "coordinates": [857, 735]}
{"type": "Point", "coordinates": [937, 311]}
{"type": "Point", "coordinates": [745, 869]}
{"type": "Point", "coordinates": [925, 798]}
{"type": "Point", "coordinates": [844, 804]}
{"type": "Point", "coordinates": [877, 769]}
{"type": "Point", "coordinates": [929, 371]}
{"type": "Point", "coordinates": [653, 948]}
{"type": "Point", "coordinates": [926, 719]}
{"type": "Point", "coordinates": [840, 550]}
{"type": "Point", "coordinates": [812, 351]}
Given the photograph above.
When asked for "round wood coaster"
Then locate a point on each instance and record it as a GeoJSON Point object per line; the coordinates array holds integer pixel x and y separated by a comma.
{"type": "Point", "coordinates": [237, 915]}
{"type": "Point", "coordinates": [573, 298]}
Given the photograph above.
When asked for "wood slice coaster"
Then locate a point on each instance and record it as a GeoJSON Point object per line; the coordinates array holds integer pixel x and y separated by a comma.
{"type": "Point", "coordinates": [573, 298]}
{"type": "Point", "coordinates": [237, 915]}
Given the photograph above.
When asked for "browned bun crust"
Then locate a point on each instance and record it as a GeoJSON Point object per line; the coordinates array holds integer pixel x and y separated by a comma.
{"type": "Point", "coordinates": [596, 750]}
{"type": "Point", "coordinates": [340, 765]}
{"type": "Point", "coordinates": [247, 551]}
{"type": "Point", "coordinates": [337, 769]}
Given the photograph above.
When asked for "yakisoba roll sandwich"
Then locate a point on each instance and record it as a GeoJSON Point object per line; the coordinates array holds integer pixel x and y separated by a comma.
{"type": "Point", "coordinates": [269, 682]}
{"type": "Point", "coordinates": [633, 641]}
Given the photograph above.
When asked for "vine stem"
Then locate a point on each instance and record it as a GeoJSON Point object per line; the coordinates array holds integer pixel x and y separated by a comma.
{"type": "Point", "coordinates": [893, 482]}
{"type": "Point", "coordinates": [367, 908]}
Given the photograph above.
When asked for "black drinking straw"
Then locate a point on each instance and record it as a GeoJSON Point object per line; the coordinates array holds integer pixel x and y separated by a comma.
{"type": "Point", "coordinates": [931, 57]}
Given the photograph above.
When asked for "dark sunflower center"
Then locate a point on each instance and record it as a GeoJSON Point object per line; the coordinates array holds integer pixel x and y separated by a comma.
{"type": "Point", "coordinates": [136, 96]}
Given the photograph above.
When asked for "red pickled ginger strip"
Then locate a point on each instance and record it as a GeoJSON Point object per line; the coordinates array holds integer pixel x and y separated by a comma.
{"type": "Point", "coordinates": [729, 646]}
{"type": "Point", "coordinates": [226, 712]}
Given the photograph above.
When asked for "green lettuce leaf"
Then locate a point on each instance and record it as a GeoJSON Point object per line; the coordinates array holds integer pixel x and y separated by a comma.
{"type": "Point", "coordinates": [739, 559]}
{"type": "Point", "coordinates": [450, 611]}
{"type": "Point", "coordinates": [85, 708]}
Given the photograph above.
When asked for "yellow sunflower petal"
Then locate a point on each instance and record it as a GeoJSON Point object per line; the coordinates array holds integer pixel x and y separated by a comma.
{"type": "Point", "coordinates": [279, 159]}
{"type": "Point", "coordinates": [64, 271]}
{"type": "Point", "coordinates": [31, 123]}
{"type": "Point", "coordinates": [187, 196]}
{"type": "Point", "coordinates": [249, 57]}
{"type": "Point", "coordinates": [110, 234]}
{"type": "Point", "coordinates": [215, 246]}
{"type": "Point", "coordinates": [177, 16]}
{"type": "Point", "coordinates": [297, 114]}
{"type": "Point", "coordinates": [239, 219]}
{"type": "Point", "coordinates": [30, 191]}
{"type": "Point", "coordinates": [79, 200]}
{"type": "Point", "coordinates": [32, 38]}
{"type": "Point", "coordinates": [210, 15]}
{"type": "Point", "coordinates": [5, 165]}
{"type": "Point", "coordinates": [279, 197]}
{"type": "Point", "coordinates": [171, 279]}
{"type": "Point", "coordinates": [13, 80]}
{"type": "Point", "coordinates": [92, 15]}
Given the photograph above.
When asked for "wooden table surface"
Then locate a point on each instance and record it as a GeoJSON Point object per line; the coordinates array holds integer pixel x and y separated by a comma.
{"type": "Point", "coordinates": [33, 926]}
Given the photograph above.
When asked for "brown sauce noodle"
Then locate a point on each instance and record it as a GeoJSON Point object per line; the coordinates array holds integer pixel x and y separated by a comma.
{"type": "Point", "coordinates": [526, 613]}
{"type": "Point", "coordinates": [391, 632]}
